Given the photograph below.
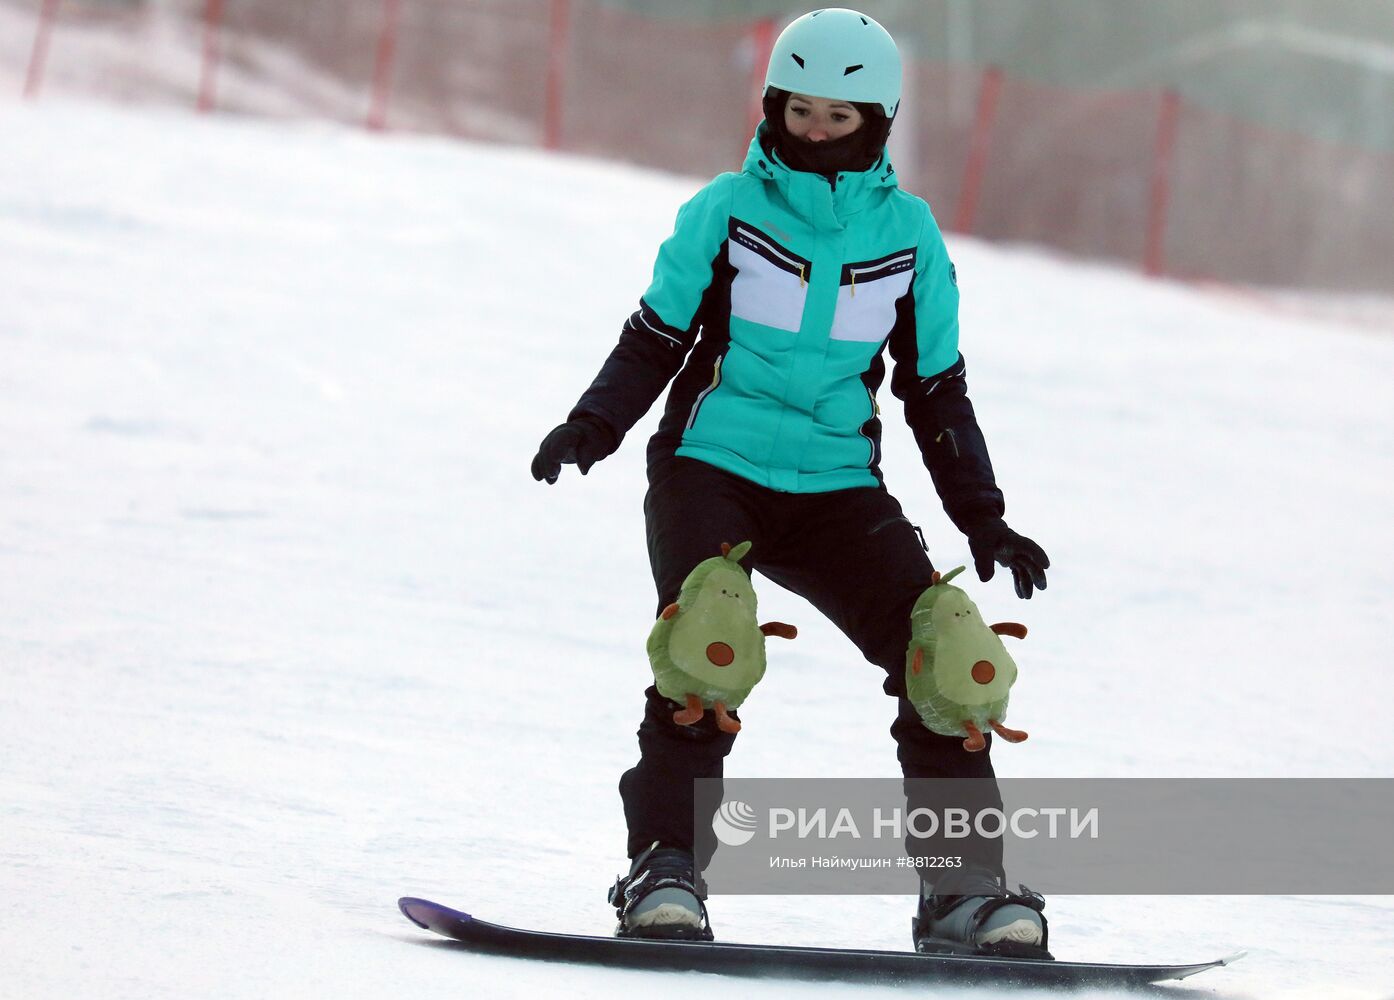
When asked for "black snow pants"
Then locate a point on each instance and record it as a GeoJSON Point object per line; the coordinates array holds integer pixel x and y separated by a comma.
{"type": "Point", "coordinates": [855, 557]}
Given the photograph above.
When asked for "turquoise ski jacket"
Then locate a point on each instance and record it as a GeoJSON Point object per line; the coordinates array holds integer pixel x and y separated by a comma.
{"type": "Point", "coordinates": [773, 303]}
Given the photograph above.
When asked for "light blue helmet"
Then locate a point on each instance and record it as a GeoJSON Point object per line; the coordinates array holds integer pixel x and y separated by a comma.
{"type": "Point", "coordinates": [838, 54]}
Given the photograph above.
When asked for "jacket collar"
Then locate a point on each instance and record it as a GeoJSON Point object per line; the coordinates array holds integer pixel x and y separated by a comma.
{"type": "Point", "coordinates": [824, 203]}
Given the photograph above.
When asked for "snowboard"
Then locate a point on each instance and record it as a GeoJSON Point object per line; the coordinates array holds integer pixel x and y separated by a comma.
{"type": "Point", "coordinates": [855, 964]}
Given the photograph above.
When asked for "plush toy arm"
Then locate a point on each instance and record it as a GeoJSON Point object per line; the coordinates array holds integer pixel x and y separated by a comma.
{"type": "Point", "coordinates": [779, 629]}
{"type": "Point", "coordinates": [1010, 735]}
{"type": "Point", "coordinates": [1013, 629]}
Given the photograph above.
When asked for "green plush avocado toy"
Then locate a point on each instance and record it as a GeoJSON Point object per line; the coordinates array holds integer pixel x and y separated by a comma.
{"type": "Point", "coordinates": [707, 651]}
{"type": "Point", "coordinates": [957, 672]}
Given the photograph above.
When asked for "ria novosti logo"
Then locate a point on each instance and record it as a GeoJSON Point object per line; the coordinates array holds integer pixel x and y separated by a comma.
{"type": "Point", "coordinates": [734, 823]}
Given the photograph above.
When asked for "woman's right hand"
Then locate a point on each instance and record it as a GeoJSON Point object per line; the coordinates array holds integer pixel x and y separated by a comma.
{"type": "Point", "coordinates": [994, 542]}
{"type": "Point", "coordinates": [580, 442]}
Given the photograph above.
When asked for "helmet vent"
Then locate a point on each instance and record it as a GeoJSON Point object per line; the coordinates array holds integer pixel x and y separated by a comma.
{"type": "Point", "coordinates": [851, 69]}
{"type": "Point", "coordinates": [797, 58]}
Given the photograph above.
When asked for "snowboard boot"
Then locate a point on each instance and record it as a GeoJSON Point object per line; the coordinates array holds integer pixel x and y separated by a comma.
{"type": "Point", "coordinates": [659, 897]}
{"type": "Point", "coordinates": [981, 918]}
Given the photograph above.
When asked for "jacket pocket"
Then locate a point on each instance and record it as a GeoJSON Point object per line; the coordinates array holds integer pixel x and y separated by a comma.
{"type": "Point", "coordinates": [771, 282]}
{"type": "Point", "coordinates": [898, 520]}
{"type": "Point", "coordinates": [867, 294]}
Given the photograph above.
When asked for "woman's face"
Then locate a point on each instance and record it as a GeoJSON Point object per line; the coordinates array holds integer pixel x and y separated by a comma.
{"type": "Point", "coordinates": [818, 119]}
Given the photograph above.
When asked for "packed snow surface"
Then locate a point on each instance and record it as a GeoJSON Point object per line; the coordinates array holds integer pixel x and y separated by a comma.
{"type": "Point", "coordinates": [287, 630]}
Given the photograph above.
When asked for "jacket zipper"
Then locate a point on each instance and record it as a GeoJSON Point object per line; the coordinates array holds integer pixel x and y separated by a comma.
{"type": "Point", "coordinates": [953, 441]}
{"type": "Point", "coordinates": [697, 404]}
{"type": "Point", "coordinates": [875, 412]}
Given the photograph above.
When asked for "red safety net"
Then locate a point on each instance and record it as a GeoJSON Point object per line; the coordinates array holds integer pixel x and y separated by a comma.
{"type": "Point", "coordinates": [1137, 176]}
{"type": "Point", "coordinates": [1254, 205]}
{"type": "Point", "coordinates": [478, 70]}
{"type": "Point", "coordinates": [667, 93]}
{"type": "Point", "coordinates": [933, 133]}
{"type": "Point", "coordinates": [295, 59]}
{"type": "Point", "coordinates": [1070, 169]}
{"type": "Point", "coordinates": [92, 48]}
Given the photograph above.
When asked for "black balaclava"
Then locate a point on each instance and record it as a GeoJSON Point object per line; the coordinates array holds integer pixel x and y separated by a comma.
{"type": "Point", "coordinates": [853, 153]}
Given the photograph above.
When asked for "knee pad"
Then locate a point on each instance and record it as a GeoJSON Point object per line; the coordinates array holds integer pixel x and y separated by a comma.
{"type": "Point", "coordinates": [707, 649]}
{"type": "Point", "coordinates": [958, 674]}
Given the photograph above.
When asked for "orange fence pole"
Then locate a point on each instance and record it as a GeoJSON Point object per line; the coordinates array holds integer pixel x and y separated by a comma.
{"type": "Point", "coordinates": [978, 150]}
{"type": "Point", "coordinates": [556, 73]}
{"type": "Point", "coordinates": [1159, 196]}
{"type": "Point", "coordinates": [38, 55]}
{"type": "Point", "coordinates": [382, 68]}
{"type": "Point", "coordinates": [212, 53]}
{"type": "Point", "coordinates": [761, 44]}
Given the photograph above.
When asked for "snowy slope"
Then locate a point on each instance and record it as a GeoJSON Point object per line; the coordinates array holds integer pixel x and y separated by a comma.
{"type": "Point", "coordinates": [283, 616]}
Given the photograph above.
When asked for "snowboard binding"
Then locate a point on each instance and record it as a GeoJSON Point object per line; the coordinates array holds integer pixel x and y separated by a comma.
{"type": "Point", "coordinates": [660, 898]}
{"type": "Point", "coordinates": [943, 927]}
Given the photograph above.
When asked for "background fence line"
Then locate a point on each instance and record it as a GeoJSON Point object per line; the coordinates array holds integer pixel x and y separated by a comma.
{"type": "Point", "coordinates": [559, 21]}
{"type": "Point", "coordinates": [38, 54]}
{"type": "Point", "coordinates": [212, 53]}
{"type": "Point", "coordinates": [1167, 119]}
{"type": "Point", "coordinates": [762, 36]}
{"type": "Point", "coordinates": [382, 69]}
{"type": "Point", "coordinates": [1140, 176]}
{"type": "Point", "coordinates": [978, 149]}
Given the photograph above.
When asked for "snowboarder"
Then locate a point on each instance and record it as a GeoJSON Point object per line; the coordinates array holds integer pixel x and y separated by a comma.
{"type": "Point", "coordinates": [769, 311]}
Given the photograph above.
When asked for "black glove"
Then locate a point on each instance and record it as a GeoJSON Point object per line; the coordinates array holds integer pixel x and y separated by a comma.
{"type": "Point", "coordinates": [580, 442]}
{"type": "Point", "coordinates": [994, 542]}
